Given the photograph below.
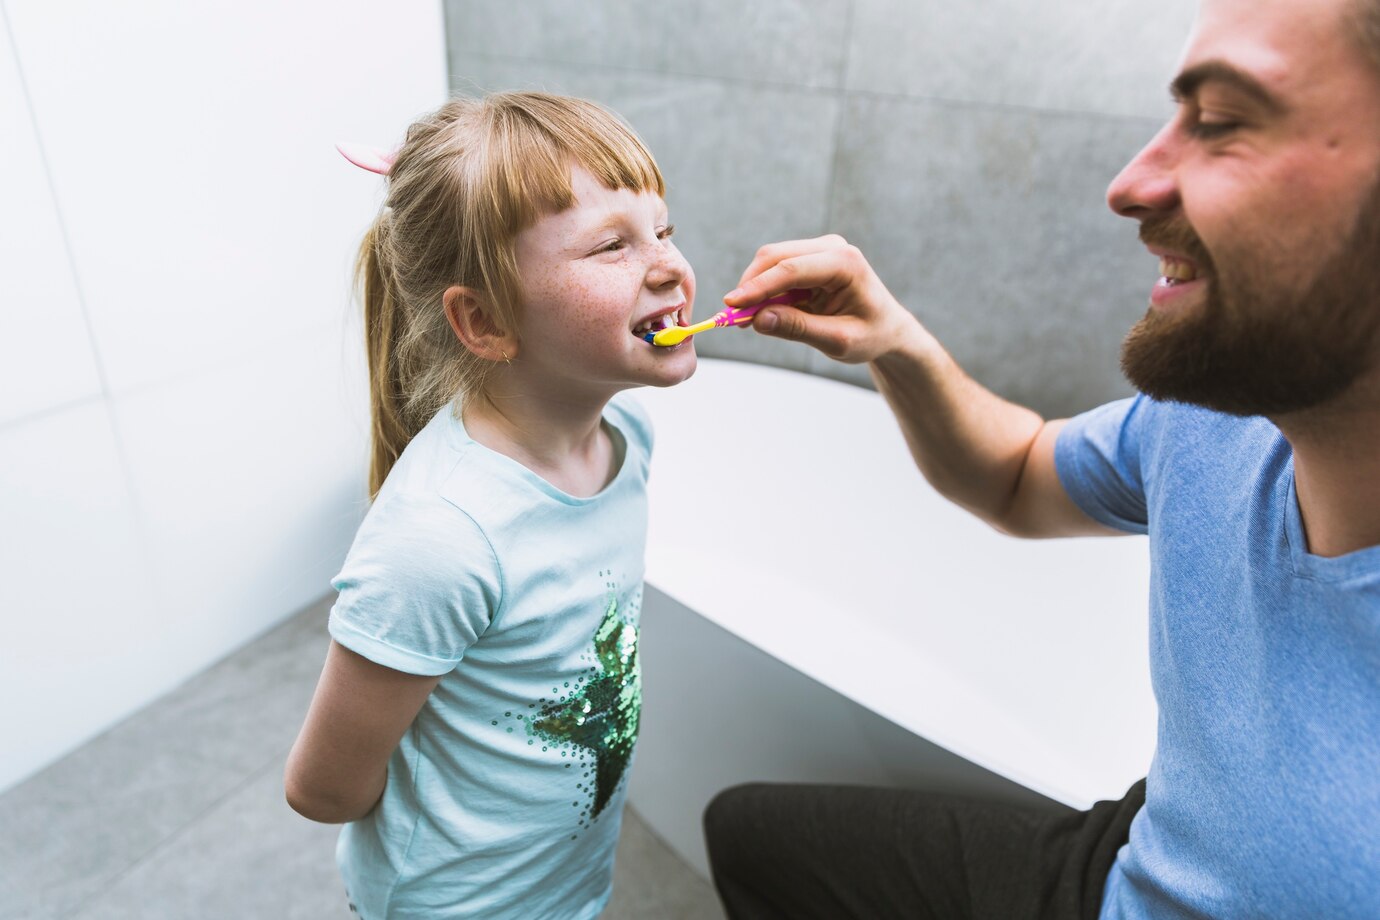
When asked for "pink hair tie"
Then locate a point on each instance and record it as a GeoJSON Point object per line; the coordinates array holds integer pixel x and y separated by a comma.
{"type": "Point", "coordinates": [370, 158]}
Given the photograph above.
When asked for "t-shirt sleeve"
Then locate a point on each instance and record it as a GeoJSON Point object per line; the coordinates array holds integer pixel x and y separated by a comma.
{"type": "Point", "coordinates": [419, 586]}
{"type": "Point", "coordinates": [1098, 459]}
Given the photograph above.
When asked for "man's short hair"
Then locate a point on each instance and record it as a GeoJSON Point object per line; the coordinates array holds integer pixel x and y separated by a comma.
{"type": "Point", "coordinates": [1362, 21]}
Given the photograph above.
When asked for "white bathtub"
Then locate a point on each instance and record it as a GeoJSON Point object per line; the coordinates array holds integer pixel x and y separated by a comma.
{"type": "Point", "coordinates": [816, 612]}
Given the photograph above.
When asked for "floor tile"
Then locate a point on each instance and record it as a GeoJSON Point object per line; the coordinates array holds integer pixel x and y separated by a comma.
{"type": "Point", "coordinates": [250, 856]}
{"type": "Point", "coordinates": [179, 812]}
{"type": "Point", "coordinates": [650, 881]}
{"type": "Point", "coordinates": [69, 830]}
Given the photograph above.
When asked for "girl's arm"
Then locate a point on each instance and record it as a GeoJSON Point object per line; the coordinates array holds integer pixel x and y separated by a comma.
{"type": "Point", "coordinates": [339, 764]}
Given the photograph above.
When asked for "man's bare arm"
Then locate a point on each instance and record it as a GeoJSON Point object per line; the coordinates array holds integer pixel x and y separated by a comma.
{"type": "Point", "coordinates": [986, 454]}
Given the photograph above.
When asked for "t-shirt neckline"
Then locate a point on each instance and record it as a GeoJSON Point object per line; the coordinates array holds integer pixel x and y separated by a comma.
{"type": "Point", "coordinates": [1356, 564]}
{"type": "Point", "coordinates": [621, 446]}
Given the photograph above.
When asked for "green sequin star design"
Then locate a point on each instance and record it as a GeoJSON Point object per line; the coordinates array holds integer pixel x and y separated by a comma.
{"type": "Point", "coordinates": [598, 718]}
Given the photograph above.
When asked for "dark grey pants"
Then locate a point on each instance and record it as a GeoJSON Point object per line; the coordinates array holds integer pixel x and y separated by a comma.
{"type": "Point", "coordinates": [837, 852]}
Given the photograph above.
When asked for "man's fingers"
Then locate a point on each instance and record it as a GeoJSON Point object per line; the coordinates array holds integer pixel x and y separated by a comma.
{"type": "Point", "coordinates": [829, 270]}
{"type": "Point", "coordinates": [773, 253]}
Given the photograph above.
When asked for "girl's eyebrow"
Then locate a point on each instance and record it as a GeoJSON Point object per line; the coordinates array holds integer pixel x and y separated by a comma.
{"type": "Point", "coordinates": [610, 221]}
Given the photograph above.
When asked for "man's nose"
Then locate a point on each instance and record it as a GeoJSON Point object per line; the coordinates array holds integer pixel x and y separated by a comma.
{"type": "Point", "coordinates": [1148, 185]}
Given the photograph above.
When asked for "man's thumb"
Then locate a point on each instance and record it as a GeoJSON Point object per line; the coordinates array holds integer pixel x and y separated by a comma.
{"type": "Point", "coordinates": [783, 324]}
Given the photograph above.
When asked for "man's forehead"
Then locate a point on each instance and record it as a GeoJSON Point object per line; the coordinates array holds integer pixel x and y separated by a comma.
{"type": "Point", "coordinates": [1279, 43]}
{"type": "Point", "coordinates": [1266, 31]}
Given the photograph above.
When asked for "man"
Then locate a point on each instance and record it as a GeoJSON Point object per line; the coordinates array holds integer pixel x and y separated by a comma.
{"type": "Point", "coordinates": [1252, 460]}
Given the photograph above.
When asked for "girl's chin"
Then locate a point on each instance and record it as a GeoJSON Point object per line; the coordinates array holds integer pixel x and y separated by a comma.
{"type": "Point", "coordinates": [676, 368]}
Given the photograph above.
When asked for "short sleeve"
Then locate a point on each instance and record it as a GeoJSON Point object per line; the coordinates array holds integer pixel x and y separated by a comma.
{"type": "Point", "coordinates": [1099, 461]}
{"type": "Point", "coordinates": [421, 583]}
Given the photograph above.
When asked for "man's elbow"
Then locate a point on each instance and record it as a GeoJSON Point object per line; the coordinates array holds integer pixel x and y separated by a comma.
{"type": "Point", "coordinates": [1012, 525]}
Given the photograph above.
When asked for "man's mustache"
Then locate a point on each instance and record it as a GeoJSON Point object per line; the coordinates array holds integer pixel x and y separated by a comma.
{"type": "Point", "coordinates": [1176, 235]}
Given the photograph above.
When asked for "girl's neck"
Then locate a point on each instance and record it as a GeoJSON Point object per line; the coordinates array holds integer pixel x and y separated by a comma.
{"type": "Point", "coordinates": [561, 439]}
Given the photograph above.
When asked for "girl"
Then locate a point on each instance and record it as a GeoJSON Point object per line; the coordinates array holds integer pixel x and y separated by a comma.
{"type": "Point", "coordinates": [476, 717]}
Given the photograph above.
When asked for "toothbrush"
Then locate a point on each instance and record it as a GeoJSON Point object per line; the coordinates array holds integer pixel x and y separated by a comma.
{"type": "Point", "coordinates": [733, 316]}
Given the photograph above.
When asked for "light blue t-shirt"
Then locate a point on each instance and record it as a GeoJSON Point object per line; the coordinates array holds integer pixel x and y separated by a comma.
{"type": "Point", "coordinates": [505, 796]}
{"type": "Point", "coordinates": [1263, 798]}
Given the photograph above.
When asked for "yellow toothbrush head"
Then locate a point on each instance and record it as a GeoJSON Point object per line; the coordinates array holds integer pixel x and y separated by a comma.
{"type": "Point", "coordinates": [674, 335]}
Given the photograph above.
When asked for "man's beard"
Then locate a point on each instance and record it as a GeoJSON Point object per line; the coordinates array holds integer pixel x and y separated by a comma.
{"type": "Point", "coordinates": [1257, 346]}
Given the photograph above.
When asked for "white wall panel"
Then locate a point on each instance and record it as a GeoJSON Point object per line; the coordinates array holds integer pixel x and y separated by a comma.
{"type": "Point", "coordinates": [251, 483]}
{"type": "Point", "coordinates": [214, 488]}
{"type": "Point", "coordinates": [45, 351]}
{"type": "Point", "coordinates": [192, 151]}
{"type": "Point", "coordinates": [75, 596]}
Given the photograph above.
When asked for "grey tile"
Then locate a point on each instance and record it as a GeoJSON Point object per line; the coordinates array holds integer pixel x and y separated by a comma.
{"type": "Point", "coordinates": [1114, 57]}
{"type": "Point", "coordinates": [730, 188]}
{"type": "Point", "coordinates": [792, 42]}
{"type": "Point", "coordinates": [795, 42]}
{"type": "Point", "coordinates": [619, 32]}
{"type": "Point", "coordinates": [249, 856]}
{"type": "Point", "coordinates": [649, 880]}
{"type": "Point", "coordinates": [68, 830]}
{"type": "Point", "coordinates": [160, 820]}
{"type": "Point", "coordinates": [991, 226]}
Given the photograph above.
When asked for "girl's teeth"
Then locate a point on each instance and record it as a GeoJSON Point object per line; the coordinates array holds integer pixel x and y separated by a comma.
{"type": "Point", "coordinates": [655, 325]}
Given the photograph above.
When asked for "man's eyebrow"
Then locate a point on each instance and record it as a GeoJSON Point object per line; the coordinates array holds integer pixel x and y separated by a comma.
{"type": "Point", "coordinates": [1188, 82]}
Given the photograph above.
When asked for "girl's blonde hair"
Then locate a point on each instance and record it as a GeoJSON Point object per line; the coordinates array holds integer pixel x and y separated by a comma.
{"type": "Point", "coordinates": [467, 179]}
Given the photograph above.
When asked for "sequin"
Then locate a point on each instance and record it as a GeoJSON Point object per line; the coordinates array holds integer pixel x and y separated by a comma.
{"type": "Point", "coordinates": [600, 716]}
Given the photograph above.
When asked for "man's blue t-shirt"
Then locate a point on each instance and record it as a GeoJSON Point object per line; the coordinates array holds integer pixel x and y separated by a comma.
{"type": "Point", "coordinates": [1263, 798]}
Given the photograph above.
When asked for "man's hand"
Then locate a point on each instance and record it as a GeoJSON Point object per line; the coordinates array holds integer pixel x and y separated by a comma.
{"type": "Point", "coordinates": [852, 317]}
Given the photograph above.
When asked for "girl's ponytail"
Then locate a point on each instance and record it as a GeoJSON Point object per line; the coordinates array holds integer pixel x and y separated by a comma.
{"type": "Point", "coordinates": [382, 325]}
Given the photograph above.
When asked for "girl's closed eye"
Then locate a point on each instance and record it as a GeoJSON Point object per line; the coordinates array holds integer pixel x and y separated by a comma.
{"type": "Point", "coordinates": [617, 244]}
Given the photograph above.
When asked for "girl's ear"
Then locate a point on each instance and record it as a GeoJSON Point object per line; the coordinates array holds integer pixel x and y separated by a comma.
{"type": "Point", "coordinates": [469, 315]}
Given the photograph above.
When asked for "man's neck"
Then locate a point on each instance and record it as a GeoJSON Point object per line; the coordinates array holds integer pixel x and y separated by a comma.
{"type": "Point", "coordinates": [1337, 470]}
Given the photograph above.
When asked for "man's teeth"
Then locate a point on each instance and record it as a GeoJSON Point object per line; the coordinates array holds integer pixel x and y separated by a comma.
{"type": "Point", "coordinates": [1175, 270]}
{"type": "Point", "coordinates": [655, 325]}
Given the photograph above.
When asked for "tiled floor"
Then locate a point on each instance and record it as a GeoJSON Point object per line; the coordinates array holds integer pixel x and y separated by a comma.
{"type": "Point", "coordinates": [177, 813]}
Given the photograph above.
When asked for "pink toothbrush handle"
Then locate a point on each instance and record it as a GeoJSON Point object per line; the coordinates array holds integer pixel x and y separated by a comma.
{"type": "Point", "coordinates": [738, 316]}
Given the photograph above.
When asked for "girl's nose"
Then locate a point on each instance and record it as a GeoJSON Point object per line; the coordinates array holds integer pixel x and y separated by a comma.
{"type": "Point", "coordinates": [669, 270]}
{"type": "Point", "coordinates": [1147, 185]}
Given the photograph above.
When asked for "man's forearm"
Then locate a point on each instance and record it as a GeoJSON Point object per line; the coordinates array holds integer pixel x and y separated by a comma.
{"type": "Point", "coordinates": [970, 444]}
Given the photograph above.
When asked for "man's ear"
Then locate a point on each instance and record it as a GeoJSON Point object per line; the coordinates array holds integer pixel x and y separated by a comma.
{"type": "Point", "coordinates": [470, 317]}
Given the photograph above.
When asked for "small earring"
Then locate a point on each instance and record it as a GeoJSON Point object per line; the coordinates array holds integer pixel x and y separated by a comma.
{"type": "Point", "coordinates": [506, 360]}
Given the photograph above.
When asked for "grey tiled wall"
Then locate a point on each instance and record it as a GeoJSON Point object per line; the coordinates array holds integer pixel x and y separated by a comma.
{"type": "Point", "coordinates": [964, 147]}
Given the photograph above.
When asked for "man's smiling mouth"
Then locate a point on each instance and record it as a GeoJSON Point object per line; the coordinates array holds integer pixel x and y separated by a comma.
{"type": "Point", "coordinates": [1176, 271]}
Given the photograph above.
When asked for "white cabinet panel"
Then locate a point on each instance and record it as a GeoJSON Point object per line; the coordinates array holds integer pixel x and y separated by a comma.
{"type": "Point", "coordinates": [77, 607]}
{"type": "Point", "coordinates": [45, 350]}
{"type": "Point", "coordinates": [191, 146]}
